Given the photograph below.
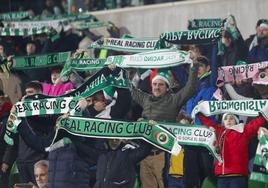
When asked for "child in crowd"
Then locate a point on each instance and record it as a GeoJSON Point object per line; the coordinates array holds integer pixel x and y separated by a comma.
{"type": "Point", "coordinates": [232, 139]}
{"type": "Point", "coordinates": [175, 164]}
{"type": "Point", "coordinates": [57, 88]}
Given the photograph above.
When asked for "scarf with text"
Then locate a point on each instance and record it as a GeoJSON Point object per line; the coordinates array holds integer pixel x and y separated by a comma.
{"type": "Point", "coordinates": [102, 128]}
{"type": "Point", "coordinates": [194, 135]}
{"type": "Point", "coordinates": [154, 59]}
{"type": "Point", "coordinates": [81, 65]}
{"type": "Point", "coordinates": [239, 107]}
{"type": "Point", "coordinates": [199, 36]}
{"type": "Point", "coordinates": [205, 23]}
{"type": "Point", "coordinates": [15, 15]}
{"type": "Point", "coordinates": [126, 44]}
{"type": "Point", "coordinates": [256, 71]}
{"type": "Point", "coordinates": [99, 81]}
{"type": "Point", "coordinates": [59, 105]}
{"type": "Point", "coordinates": [40, 61]}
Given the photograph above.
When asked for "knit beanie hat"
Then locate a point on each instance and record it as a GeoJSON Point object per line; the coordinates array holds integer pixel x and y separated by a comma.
{"type": "Point", "coordinates": [109, 93]}
{"type": "Point", "coordinates": [162, 74]}
{"type": "Point", "coordinates": [264, 24]}
{"type": "Point", "coordinates": [235, 117]}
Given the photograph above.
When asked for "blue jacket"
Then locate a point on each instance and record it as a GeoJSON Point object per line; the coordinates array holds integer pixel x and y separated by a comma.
{"type": "Point", "coordinates": [258, 53]}
{"type": "Point", "coordinates": [204, 92]}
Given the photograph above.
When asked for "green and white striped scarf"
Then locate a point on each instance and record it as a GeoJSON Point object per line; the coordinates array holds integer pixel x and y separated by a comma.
{"type": "Point", "coordinates": [80, 25]}
{"type": "Point", "coordinates": [7, 31]}
{"type": "Point", "coordinates": [101, 128]}
{"type": "Point", "coordinates": [59, 105]}
{"type": "Point", "coordinates": [135, 45]}
{"type": "Point", "coordinates": [82, 65]}
{"type": "Point", "coordinates": [260, 166]}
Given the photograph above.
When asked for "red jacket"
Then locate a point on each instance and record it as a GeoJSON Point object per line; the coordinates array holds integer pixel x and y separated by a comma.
{"type": "Point", "coordinates": [234, 146]}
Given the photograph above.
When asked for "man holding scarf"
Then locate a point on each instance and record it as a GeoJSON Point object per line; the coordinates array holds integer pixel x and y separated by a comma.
{"type": "Point", "coordinates": [161, 105]}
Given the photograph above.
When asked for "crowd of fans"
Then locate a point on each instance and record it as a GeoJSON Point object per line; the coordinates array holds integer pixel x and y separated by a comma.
{"type": "Point", "coordinates": [61, 6]}
{"type": "Point", "coordinates": [163, 95]}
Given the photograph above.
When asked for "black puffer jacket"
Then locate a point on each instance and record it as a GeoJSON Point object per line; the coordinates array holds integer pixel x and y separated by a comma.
{"type": "Point", "coordinates": [116, 168]}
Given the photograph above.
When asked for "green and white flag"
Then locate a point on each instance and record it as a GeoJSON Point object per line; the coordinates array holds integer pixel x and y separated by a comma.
{"type": "Point", "coordinates": [101, 128]}
{"type": "Point", "coordinates": [7, 31]}
{"type": "Point", "coordinates": [205, 23]}
{"type": "Point", "coordinates": [260, 166]}
{"type": "Point", "coordinates": [199, 36]}
{"type": "Point", "coordinates": [40, 61]}
{"type": "Point", "coordinates": [153, 59]}
{"type": "Point", "coordinates": [59, 105]}
{"type": "Point", "coordinates": [239, 107]}
{"type": "Point", "coordinates": [126, 44]}
{"type": "Point", "coordinates": [194, 135]}
{"type": "Point", "coordinates": [81, 65]}
{"type": "Point", "coordinates": [14, 15]}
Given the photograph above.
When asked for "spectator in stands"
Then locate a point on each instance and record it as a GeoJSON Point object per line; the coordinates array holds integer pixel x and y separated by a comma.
{"type": "Point", "coordinates": [259, 51]}
{"type": "Point", "coordinates": [57, 88]}
{"type": "Point", "coordinates": [51, 9]}
{"type": "Point", "coordinates": [175, 164]}
{"type": "Point", "coordinates": [234, 49]}
{"type": "Point", "coordinates": [253, 39]}
{"type": "Point", "coordinates": [197, 162]}
{"type": "Point", "coordinates": [41, 173]}
{"type": "Point", "coordinates": [232, 140]}
{"type": "Point", "coordinates": [6, 161]}
{"type": "Point", "coordinates": [25, 156]}
{"type": "Point", "coordinates": [117, 167]}
{"type": "Point", "coordinates": [162, 105]}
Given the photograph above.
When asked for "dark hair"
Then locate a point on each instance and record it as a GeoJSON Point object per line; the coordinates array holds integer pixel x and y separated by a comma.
{"type": "Point", "coordinates": [203, 60]}
{"type": "Point", "coordinates": [2, 93]}
{"type": "Point", "coordinates": [182, 116]}
{"type": "Point", "coordinates": [34, 84]}
{"type": "Point", "coordinates": [99, 96]}
{"type": "Point", "coordinates": [259, 22]}
{"type": "Point", "coordinates": [56, 69]}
